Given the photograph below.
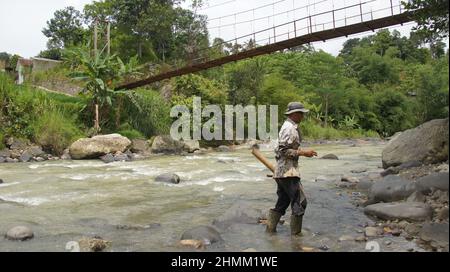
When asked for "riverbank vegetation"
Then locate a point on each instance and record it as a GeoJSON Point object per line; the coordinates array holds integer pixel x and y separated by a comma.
{"type": "Point", "coordinates": [377, 85]}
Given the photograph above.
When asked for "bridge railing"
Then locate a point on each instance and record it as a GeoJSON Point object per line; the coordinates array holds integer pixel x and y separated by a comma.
{"type": "Point", "coordinates": [357, 13]}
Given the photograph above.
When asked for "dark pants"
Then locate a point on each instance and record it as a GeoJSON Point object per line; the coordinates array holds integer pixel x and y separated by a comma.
{"type": "Point", "coordinates": [289, 193]}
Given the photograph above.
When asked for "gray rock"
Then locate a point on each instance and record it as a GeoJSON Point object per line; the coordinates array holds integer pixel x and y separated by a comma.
{"type": "Point", "coordinates": [5, 153]}
{"type": "Point", "coordinates": [223, 148]}
{"type": "Point", "coordinates": [15, 143]}
{"type": "Point", "coordinates": [408, 165]}
{"type": "Point", "coordinates": [108, 158]}
{"type": "Point", "coordinates": [168, 178]}
{"type": "Point", "coordinates": [391, 188]}
{"type": "Point", "coordinates": [409, 211]}
{"type": "Point", "coordinates": [330, 157]}
{"type": "Point", "coordinates": [2, 159]}
{"type": "Point", "coordinates": [191, 146]}
{"type": "Point", "coordinates": [11, 160]}
{"type": "Point", "coordinates": [239, 213]}
{"type": "Point", "coordinates": [35, 151]}
{"type": "Point", "coordinates": [120, 157]}
{"type": "Point", "coordinates": [436, 234]}
{"type": "Point", "coordinates": [416, 197]}
{"type": "Point", "coordinates": [92, 148]}
{"type": "Point", "coordinates": [442, 214]}
{"type": "Point", "coordinates": [207, 234]}
{"type": "Point", "coordinates": [140, 146]}
{"type": "Point", "coordinates": [390, 171]}
{"type": "Point", "coordinates": [359, 170]}
{"type": "Point", "coordinates": [427, 144]}
{"type": "Point", "coordinates": [166, 145]}
{"type": "Point", "coordinates": [39, 159]}
{"type": "Point", "coordinates": [437, 181]}
{"type": "Point", "coordinates": [25, 157]}
{"type": "Point", "coordinates": [19, 233]}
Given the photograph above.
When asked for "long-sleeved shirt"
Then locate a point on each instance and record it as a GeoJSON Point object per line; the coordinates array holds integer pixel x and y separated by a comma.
{"type": "Point", "coordinates": [289, 141]}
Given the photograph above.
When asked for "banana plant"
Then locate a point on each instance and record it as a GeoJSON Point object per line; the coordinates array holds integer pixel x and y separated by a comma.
{"type": "Point", "coordinates": [99, 72]}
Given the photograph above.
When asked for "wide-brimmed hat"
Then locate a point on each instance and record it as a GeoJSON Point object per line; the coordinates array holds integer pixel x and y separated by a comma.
{"type": "Point", "coordinates": [296, 107]}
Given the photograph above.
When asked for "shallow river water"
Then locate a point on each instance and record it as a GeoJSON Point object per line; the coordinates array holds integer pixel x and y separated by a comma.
{"type": "Point", "coordinates": [64, 201]}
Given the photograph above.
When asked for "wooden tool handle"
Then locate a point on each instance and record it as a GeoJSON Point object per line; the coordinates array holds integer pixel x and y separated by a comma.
{"type": "Point", "coordinates": [262, 159]}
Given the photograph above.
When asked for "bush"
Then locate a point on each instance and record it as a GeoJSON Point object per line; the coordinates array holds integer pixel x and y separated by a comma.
{"type": "Point", "coordinates": [147, 112]}
{"type": "Point", "coordinates": [55, 132]}
{"type": "Point", "coordinates": [127, 131]}
{"type": "Point", "coordinates": [2, 141]}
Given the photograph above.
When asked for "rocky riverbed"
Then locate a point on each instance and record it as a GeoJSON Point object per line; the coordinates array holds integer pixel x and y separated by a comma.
{"type": "Point", "coordinates": [363, 195]}
{"type": "Point", "coordinates": [219, 205]}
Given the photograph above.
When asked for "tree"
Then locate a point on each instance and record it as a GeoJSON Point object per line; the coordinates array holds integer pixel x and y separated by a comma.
{"type": "Point", "coordinates": [65, 29]}
{"type": "Point", "coordinates": [431, 16]}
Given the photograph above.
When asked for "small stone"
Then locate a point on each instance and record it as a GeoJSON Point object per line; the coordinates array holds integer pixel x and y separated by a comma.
{"type": "Point", "coordinates": [2, 160]}
{"type": "Point", "coordinates": [168, 178]}
{"type": "Point", "coordinates": [346, 238]}
{"type": "Point", "coordinates": [95, 244]}
{"type": "Point", "coordinates": [373, 232]}
{"type": "Point", "coordinates": [330, 157]}
{"type": "Point", "coordinates": [359, 171]}
{"type": "Point", "coordinates": [361, 239]}
{"type": "Point", "coordinates": [39, 159]}
{"type": "Point", "coordinates": [19, 233]}
{"type": "Point", "coordinates": [1, 181]}
{"type": "Point", "coordinates": [11, 160]}
{"type": "Point", "coordinates": [249, 250]}
{"type": "Point", "coordinates": [108, 158]}
{"type": "Point", "coordinates": [387, 242]}
{"type": "Point", "coordinates": [324, 248]}
{"type": "Point", "coordinates": [349, 179]}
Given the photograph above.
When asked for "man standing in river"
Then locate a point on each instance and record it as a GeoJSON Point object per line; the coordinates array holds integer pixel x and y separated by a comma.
{"type": "Point", "coordinates": [287, 174]}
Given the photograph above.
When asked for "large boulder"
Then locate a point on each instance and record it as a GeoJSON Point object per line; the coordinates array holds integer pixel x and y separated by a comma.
{"type": "Point", "coordinates": [436, 234]}
{"type": "Point", "coordinates": [436, 181]}
{"type": "Point", "coordinates": [167, 145]}
{"type": "Point", "coordinates": [427, 143]}
{"type": "Point", "coordinates": [390, 189]}
{"type": "Point", "coordinates": [91, 148]}
{"type": "Point", "coordinates": [409, 211]}
{"type": "Point", "coordinates": [205, 234]}
{"type": "Point", "coordinates": [140, 146]}
{"type": "Point", "coordinates": [238, 213]}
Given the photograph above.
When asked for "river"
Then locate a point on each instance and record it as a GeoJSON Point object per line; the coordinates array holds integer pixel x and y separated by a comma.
{"type": "Point", "coordinates": [64, 201]}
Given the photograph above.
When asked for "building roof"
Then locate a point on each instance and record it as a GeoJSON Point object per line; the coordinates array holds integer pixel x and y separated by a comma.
{"type": "Point", "coordinates": [25, 62]}
{"type": "Point", "coordinates": [47, 60]}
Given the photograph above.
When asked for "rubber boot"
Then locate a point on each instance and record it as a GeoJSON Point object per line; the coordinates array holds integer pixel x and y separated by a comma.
{"type": "Point", "coordinates": [296, 224]}
{"type": "Point", "coordinates": [272, 221]}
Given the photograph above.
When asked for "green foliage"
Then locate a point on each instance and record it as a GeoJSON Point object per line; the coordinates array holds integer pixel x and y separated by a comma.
{"type": "Point", "coordinates": [53, 53]}
{"type": "Point", "coordinates": [431, 16]}
{"type": "Point", "coordinates": [146, 112]}
{"type": "Point", "coordinates": [2, 141]}
{"type": "Point", "coordinates": [47, 118]}
{"type": "Point", "coordinates": [65, 29]}
{"type": "Point", "coordinates": [128, 131]}
{"type": "Point", "coordinates": [54, 131]}
{"type": "Point", "coordinates": [211, 91]}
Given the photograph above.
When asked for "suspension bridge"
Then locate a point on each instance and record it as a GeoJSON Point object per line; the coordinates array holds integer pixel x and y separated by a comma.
{"type": "Point", "coordinates": [322, 26]}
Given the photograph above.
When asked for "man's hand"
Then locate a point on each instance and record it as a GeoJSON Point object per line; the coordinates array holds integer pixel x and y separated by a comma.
{"type": "Point", "coordinates": [307, 153]}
